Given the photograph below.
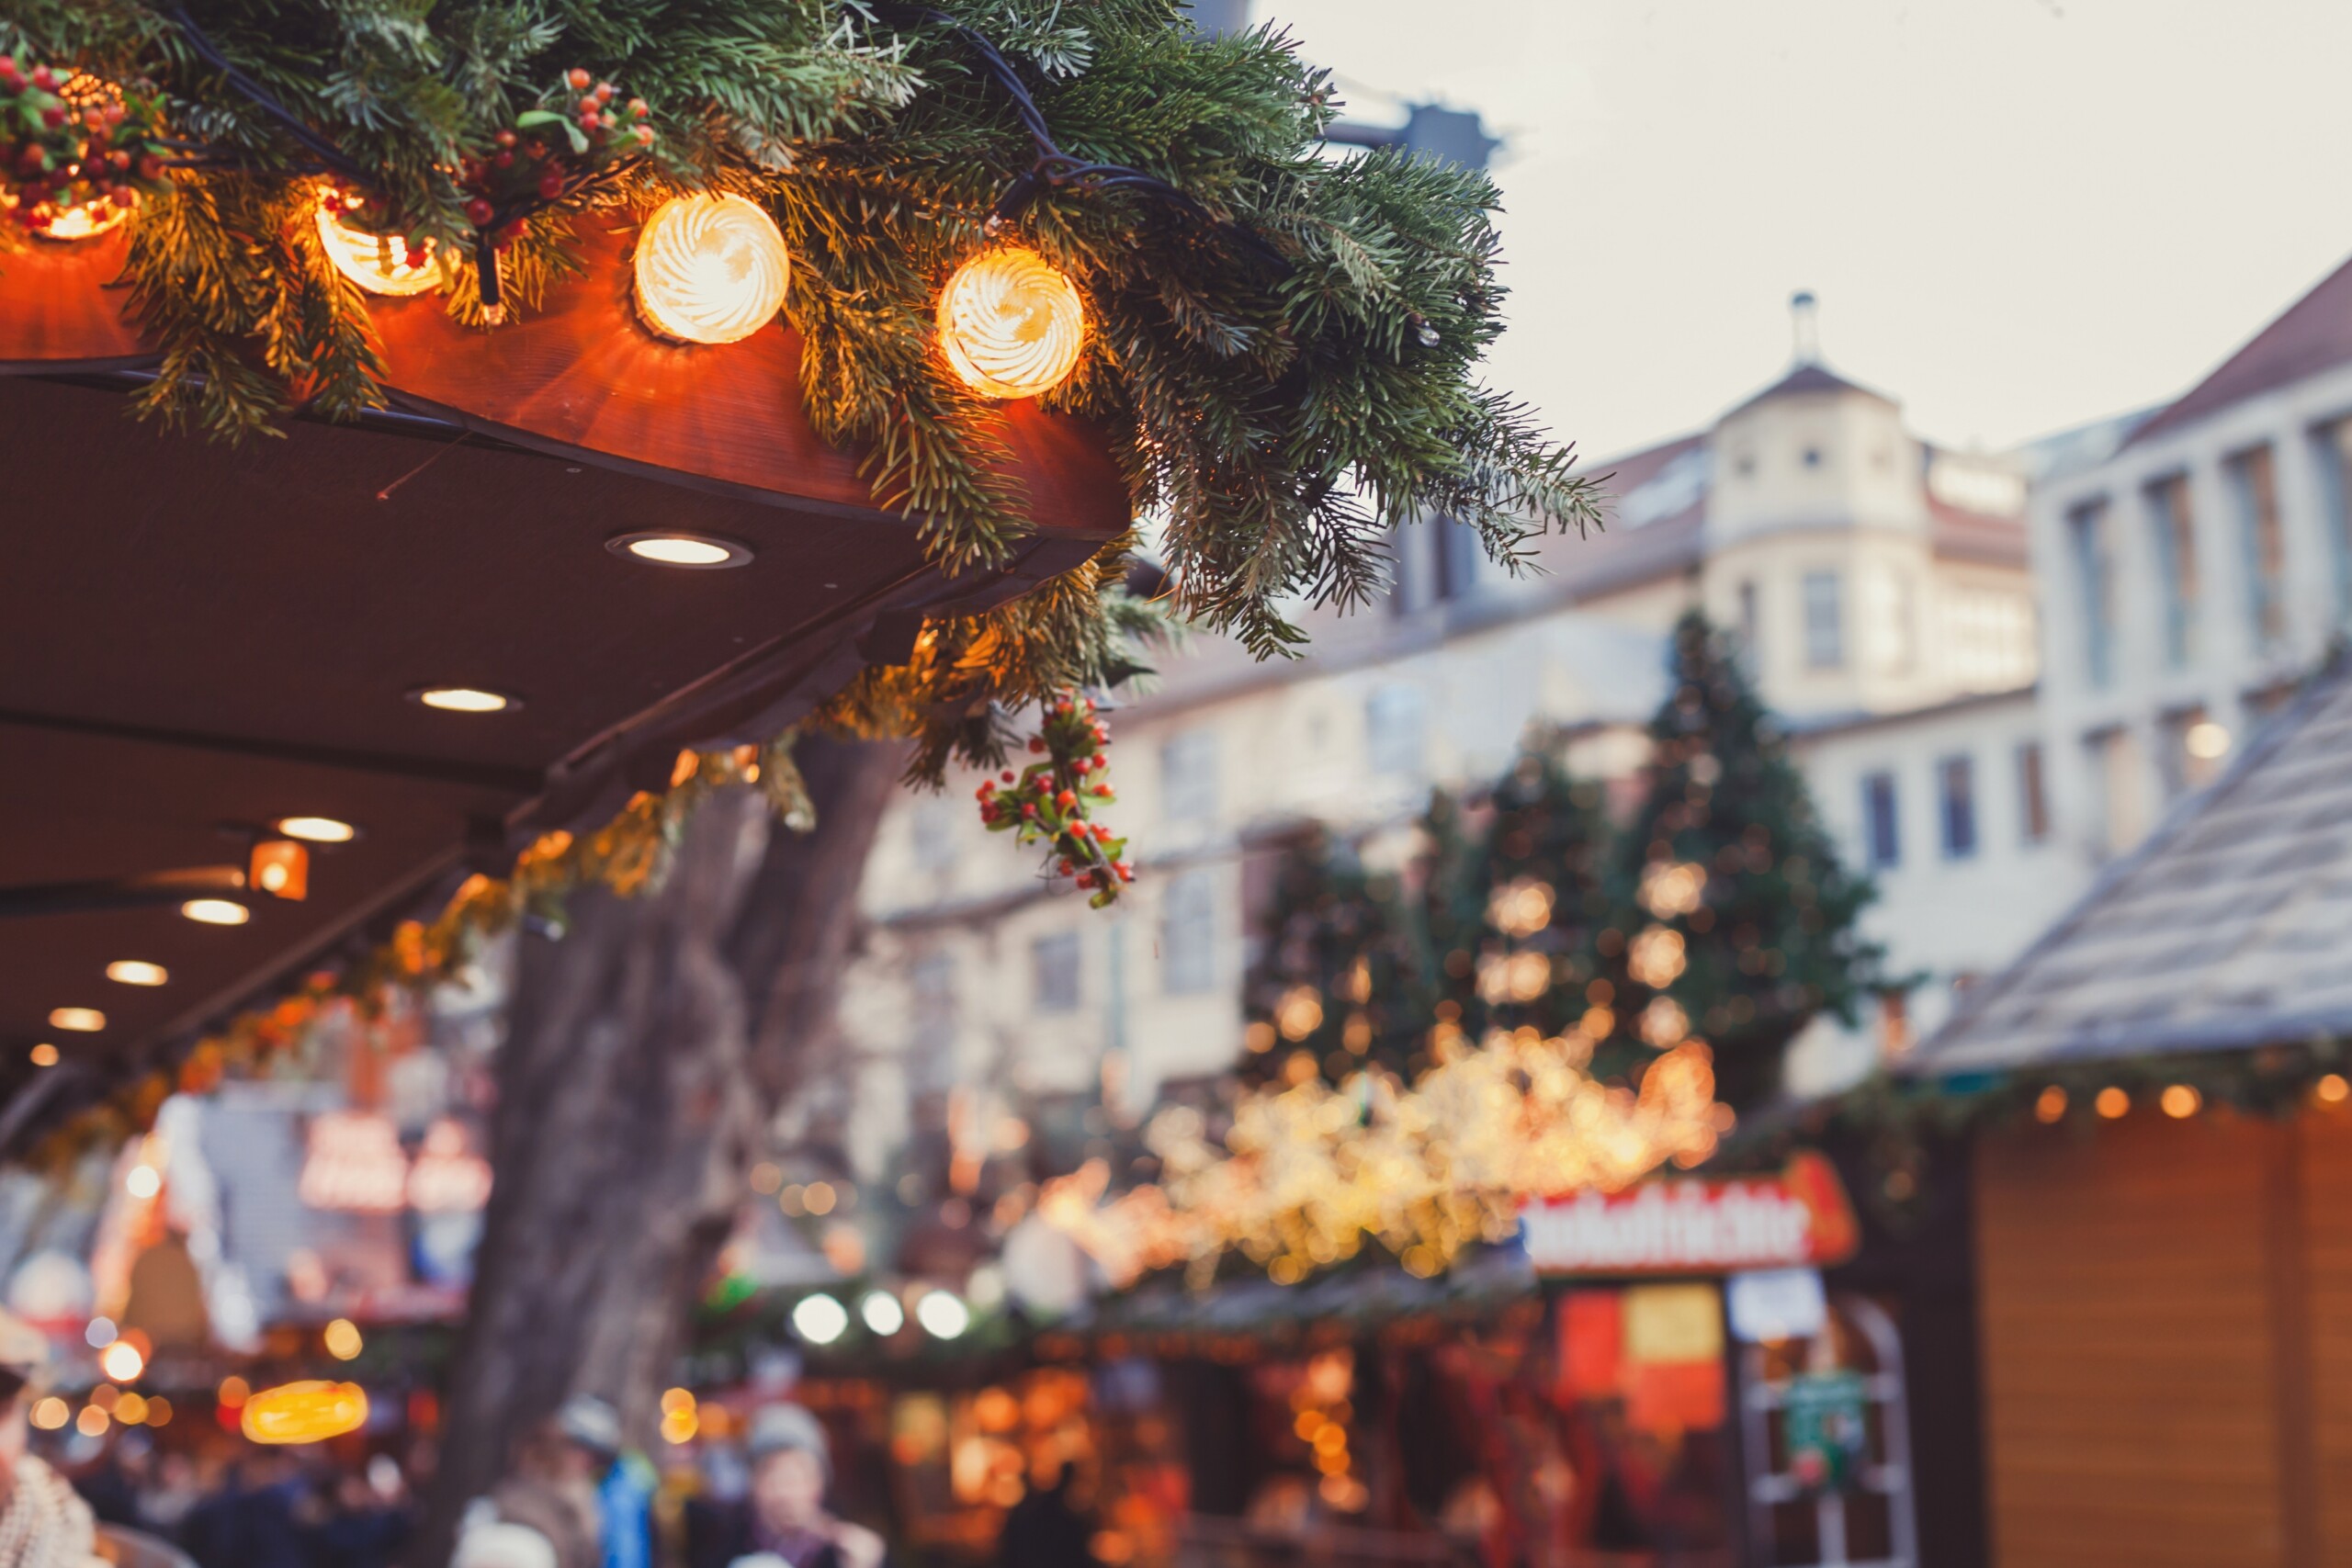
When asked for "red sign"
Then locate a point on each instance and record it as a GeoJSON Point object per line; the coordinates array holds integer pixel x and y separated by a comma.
{"type": "Point", "coordinates": [1697, 1225]}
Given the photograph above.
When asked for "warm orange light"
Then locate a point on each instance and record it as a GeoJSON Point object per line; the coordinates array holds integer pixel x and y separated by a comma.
{"type": "Point", "coordinates": [136, 971]}
{"type": "Point", "coordinates": [2179, 1101]}
{"type": "Point", "coordinates": [159, 1412]}
{"type": "Point", "coordinates": [233, 1392]}
{"type": "Point", "coordinates": [343, 1340]}
{"type": "Point", "coordinates": [51, 1414]}
{"type": "Point", "coordinates": [318, 829]}
{"type": "Point", "coordinates": [121, 1361]}
{"type": "Point", "coordinates": [2111, 1102]}
{"type": "Point", "coordinates": [2333, 1089]}
{"type": "Point", "coordinates": [216, 911]}
{"type": "Point", "coordinates": [2051, 1105]}
{"type": "Point", "coordinates": [86, 221]}
{"type": "Point", "coordinates": [1011, 325]}
{"type": "Point", "coordinates": [377, 263]}
{"type": "Point", "coordinates": [44, 1054]}
{"type": "Point", "coordinates": [281, 868]}
{"type": "Point", "coordinates": [304, 1412]}
{"type": "Point", "coordinates": [710, 269]}
{"type": "Point", "coordinates": [464, 699]}
{"type": "Point", "coordinates": [81, 1021]}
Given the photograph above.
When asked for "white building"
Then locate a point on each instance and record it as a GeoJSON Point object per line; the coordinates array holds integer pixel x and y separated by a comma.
{"type": "Point", "coordinates": [1880, 585]}
{"type": "Point", "coordinates": [2200, 562]}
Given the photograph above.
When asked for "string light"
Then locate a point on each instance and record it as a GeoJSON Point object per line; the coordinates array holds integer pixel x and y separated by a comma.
{"type": "Point", "coordinates": [381, 264]}
{"type": "Point", "coordinates": [1011, 325]}
{"type": "Point", "coordinates": [303, 1412]}
{"type": "Point", "coordinates": [710, 269]}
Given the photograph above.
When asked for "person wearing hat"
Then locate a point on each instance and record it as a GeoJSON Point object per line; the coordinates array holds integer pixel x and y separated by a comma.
{"type": "Point", "coordinates": [43, 1524]}
{"type": "Point", "coordinates": [552, 1489]}
{"type": "Point", "coordinates": [784, 1522]}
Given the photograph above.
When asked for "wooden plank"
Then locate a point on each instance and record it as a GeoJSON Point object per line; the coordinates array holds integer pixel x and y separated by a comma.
{"type": "Point", "coordinates": [2130, 1363]}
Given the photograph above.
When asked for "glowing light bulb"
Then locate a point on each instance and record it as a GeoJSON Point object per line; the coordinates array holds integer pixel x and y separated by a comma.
{"type": "Point", "coordinates": [86, 221]}
{"type": "Point", "coordinates": [44, 1054]}
{"type": "Point", "coordinates": [317, 829]}
{"type": "Point", "coordinates": [121, 1362]}
{"type": "Point", "coordinates": [1011, 325]}
{"type": "Point", "coordinates": [81, 1021]}
{"type": "Point", "coordinates": [304, 1412]}
{"type": "Point", "coordinates": [463, 699]}
{"type": "Point", "coordinates": [882, 1313]}
{"type": "Point", "coordinates": [710, 269]}
{"type": "Point", "coordinates": [377, 263]}
{"type": "Point", "coordinates": [699, 550]}
{"type": "Point", "coordinates": [216, 912]}
{"type": "Point", "coordinates": [819, 1319]}
{"type": "Point", "coordinates": [343, 1340]}
{"type": "Point", "coordinates": [136, 971]}
{"type": "Point", "coordinates": [942, 1316]}
{"type": "Point", "coordinates": [144, 1181]}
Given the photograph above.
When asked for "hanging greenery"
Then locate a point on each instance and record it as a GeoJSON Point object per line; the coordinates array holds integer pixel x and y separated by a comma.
{"type": "Point", "coordinates": [1282, 345]}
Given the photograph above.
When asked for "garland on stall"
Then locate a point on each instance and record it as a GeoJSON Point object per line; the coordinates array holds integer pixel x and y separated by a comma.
{"type": "Point", "coordinates": [1283, 346]}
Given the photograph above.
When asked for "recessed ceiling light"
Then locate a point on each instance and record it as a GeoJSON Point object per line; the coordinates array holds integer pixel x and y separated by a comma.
{"type": "Point", "coordinates": [81, 1021]}
{"type": "Point", "coordinates": [464, 699]}
{"type": "Point", "coordinates": [136, 971]}
{"type": "Point", "coordinates": [44, 1054]}
{"type": "Point", "coordinates": [673, 549]}
{"type": "Point", "coordinates": [317, 829]}
{"type": "Point", "coordinates": [216, 911]}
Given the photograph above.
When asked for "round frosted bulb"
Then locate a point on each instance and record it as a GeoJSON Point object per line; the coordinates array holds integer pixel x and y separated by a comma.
{"type": "Point", "coordinates": [882, 1313]}
{"type": "Point", "coordinates": [942, 1316]}
{"type": "Point", "coordinates": [136, 971]}
{"type": "Point", "coordinates": [461, 699]}
{"type": "Point", "coordinates": [819, 1319]}
{"type": "Point", "coordinates": [317, 829]}
{"type": "Point", "coordinates": [1011, 325]}
{"type": "Point", "coordinates": [82, 1020]}
{"type": "Point", "coordinates": [216, 912]}
{"type": "Point", "coordinates": [377, 263]}
{"type": "Point", "coordinates": [710, 269]}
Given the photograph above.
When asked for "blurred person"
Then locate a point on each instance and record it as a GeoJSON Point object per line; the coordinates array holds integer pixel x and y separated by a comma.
{"type": "Point", "coordinates": [783, 1522]}
{"type": "Point", "coordinates": [175, 1491]}
{"type": "Point", "coordinates": [1042, 1530]}
{"type": "Point", "coordinates": [553, 1487]}
{"type": "Point", "coordinates": [43, 1524]}
{"type": "Point", "coordinates": [362, 1528]}
{"type": "Point", "coordinates": [494, 1545]}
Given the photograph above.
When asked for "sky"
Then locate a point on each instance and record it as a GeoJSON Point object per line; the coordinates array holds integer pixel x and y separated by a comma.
{"type": "Point", "coordinates": [2019, 215]}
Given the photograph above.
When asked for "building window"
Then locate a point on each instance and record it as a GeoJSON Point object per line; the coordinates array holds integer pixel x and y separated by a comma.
{"type": "Point", "coordinates": [2254, 481]}
{"type": "Point", "coordinates": [1956, 777]}
{"type": "Point", "coordinates": [1188, 935]}
{"type": "Point", "coordinates": [2194, 747]}
{"type": "Point", "coordinates": [1812, 456]}
{"type": "Point", "coordinates": [1751, 621]}
{"type": "Point", "coordinates": [1053, 968]}
{"type": "Point", "coordinates": [2175, 537]}
{"type": "Point", "coordinates": [2116, 791]}
{"type": "Point", "coordinates": [1882, 824]}
{"type": "Point", "coordinates": [1188, 763]}
{"type": "Point", "coordinates": [2095, 577]}
{"type": "Point", "coordinates": [1396, 731]}
{"type": "Point", "coordinates": [2333, 447]}
{"type": "Point", "coordinates": [1824, 624]}
{"type": "Point", "coordinates": [1460, 554]}
{"type": "Point", "coordinates": [2033, 794]}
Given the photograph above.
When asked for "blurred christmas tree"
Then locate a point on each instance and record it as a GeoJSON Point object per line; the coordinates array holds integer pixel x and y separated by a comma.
{"type": "Point", "coordinates": [1514, 909]}
{"type": "Point", "coordinates": [1342, 982]}
{"type": "Point", "coordinates": [1734, 922]}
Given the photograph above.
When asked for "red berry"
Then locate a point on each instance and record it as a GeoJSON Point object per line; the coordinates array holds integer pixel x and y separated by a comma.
{"type": "Point", "coordinates": [589, 105]}
{"type": "Point", "coordinates": [507, 139]}
{"type": "Point", "coordinates": [502, 160]}
{"type": "Point", "coordinates": [1006, 775]}
{"type": "Point", "coordinates": [604, 92]}
{"type": "Point", "coordinates": [638, 109]}
{"type": "Point", "coordinates": [551, 185]}
{"type": "Point", "coordinates": [53, 115]}
{"type": "Point", "coordinates": [478, 211]}
{"type": "Point", "coordinates": [125, 198]}
{"type": "Point", "coordinates": [1029, 809]}
{"type": "Point", "coordinates": [578, 78]}
{"type": "Point", "coordinates": [1067, 867]}
{"type": "Point", "coordinates": [1036, 744]}
{"type": "Point", "coordinates": [1065, 800]}
{"type": "Point", "coordinates": [644, 134]}
{"type": "Point", "coordinates": [44, 78]}
{"type": "Point", "coordinates": [1102, 790]}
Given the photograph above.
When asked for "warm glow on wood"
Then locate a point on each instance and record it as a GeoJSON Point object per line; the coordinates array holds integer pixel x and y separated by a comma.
{"type": "Point", "coordinates": [304, 1412]}
{"type": "Point", "coordinates": [1011, 325]}
{"type": "Point", "coordinates": [710, 269]}
{"type": "Point", "coordinates": [377, 263]}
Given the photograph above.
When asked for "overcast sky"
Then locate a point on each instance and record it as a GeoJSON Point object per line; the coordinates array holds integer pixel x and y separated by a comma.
{"type": "Point", "coordinates": [2019, 215]}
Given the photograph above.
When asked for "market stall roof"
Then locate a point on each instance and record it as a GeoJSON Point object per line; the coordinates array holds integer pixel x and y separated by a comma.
{"type": "Point", "coordinates": [2230, 928]}
{"type": "Point", "coordinates": [202, 638]}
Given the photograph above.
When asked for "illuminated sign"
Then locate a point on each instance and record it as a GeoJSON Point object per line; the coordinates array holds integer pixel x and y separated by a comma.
{"type": "Point", "coordinates": [1697, 1226]}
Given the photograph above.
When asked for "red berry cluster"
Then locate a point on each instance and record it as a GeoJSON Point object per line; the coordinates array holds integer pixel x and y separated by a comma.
{"type": "Point", "coordinates": [580, 126]}
{"type": "Point", "coordinates": [59, 153]}
{"type": "Point", "coordinates": [1049, 800]}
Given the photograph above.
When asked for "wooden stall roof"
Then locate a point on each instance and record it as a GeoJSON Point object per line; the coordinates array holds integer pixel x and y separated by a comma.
{"type": "Point", "coordinates": [197, 638]}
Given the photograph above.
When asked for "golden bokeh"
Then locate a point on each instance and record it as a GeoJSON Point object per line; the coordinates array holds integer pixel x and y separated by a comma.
{"type": "Point", "coordinates": [377, 263]}
{"type": "Point", "coordinates": [1011, 325]}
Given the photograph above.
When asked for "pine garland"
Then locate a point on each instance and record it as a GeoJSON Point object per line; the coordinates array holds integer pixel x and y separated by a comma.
{"type": "Point", "coordinates": [1279, 417]}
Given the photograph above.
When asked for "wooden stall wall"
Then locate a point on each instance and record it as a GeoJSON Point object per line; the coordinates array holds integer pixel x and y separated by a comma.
{"type": "Point", "coordinates": [2167, 1315]}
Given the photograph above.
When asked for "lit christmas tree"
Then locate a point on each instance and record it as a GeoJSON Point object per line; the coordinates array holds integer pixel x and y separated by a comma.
{"type": "Point", "coordinates": [1736, 924]}
{"type": "Point", "coordinates": [1340, 984]}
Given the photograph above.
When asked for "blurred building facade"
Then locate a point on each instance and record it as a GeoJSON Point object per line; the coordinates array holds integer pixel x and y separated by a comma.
{"type": "Point", "coordinates": [1880, 586]}
{"type": "Point", "coordinates": [2196, 562]}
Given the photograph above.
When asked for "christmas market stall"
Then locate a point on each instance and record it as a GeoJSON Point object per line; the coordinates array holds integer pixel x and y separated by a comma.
{"type": "Point", "coordinates": [2158, 1136]}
